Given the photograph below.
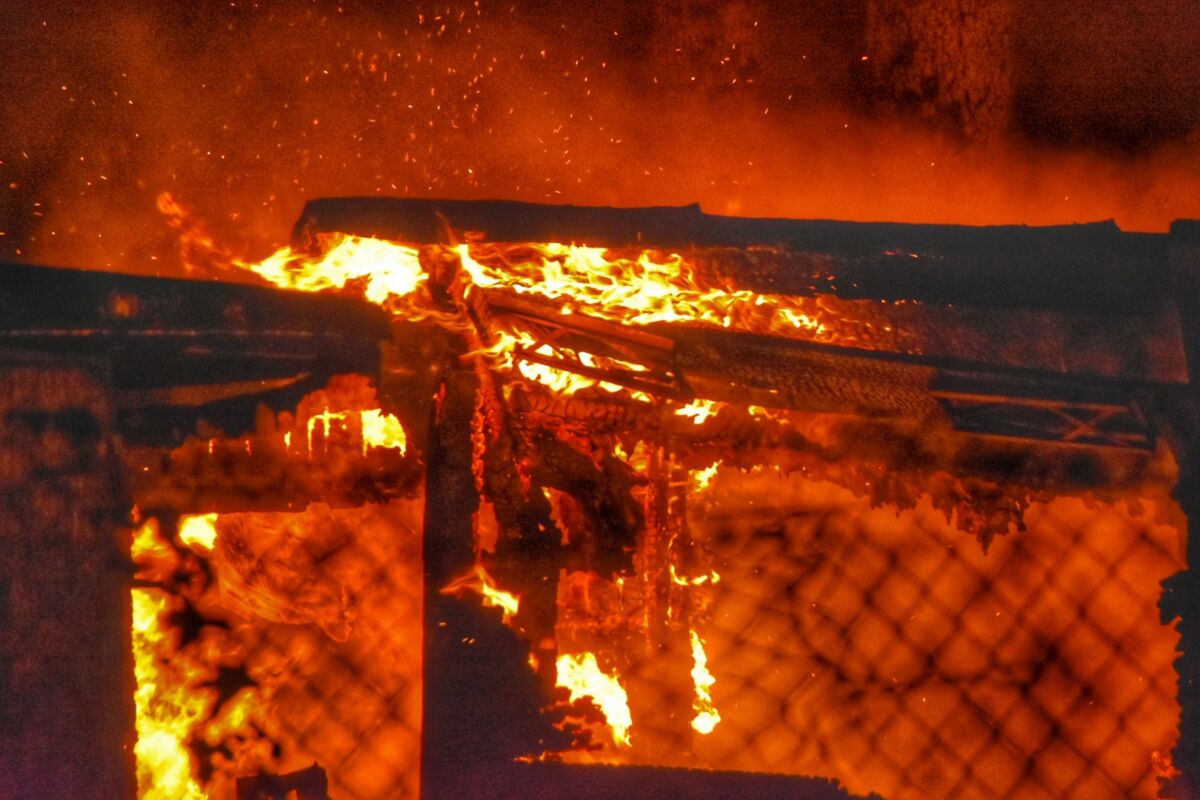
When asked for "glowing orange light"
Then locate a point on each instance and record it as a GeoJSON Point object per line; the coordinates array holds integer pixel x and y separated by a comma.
{"type": "Point", "coordinates": [377, 428]}
{"type": "Point", "coordinates": [582, 677]}
{"type": "Point", "coordinates": [323, 419]}
{"type": "Point", "coordinates": [706, 713]}
{"type": "Point", "coordinates": [477, 580]}
{"type": "Point", "coordinates": [382, 430]}
{"type": "Point", "coordinates": [199, 532]}
{"type": "Point", "coordinates": [166, 708]}
{"type": "Point", "coordinates": [699, 410]}
{"type": "Point", "coordinates": [701, 479]}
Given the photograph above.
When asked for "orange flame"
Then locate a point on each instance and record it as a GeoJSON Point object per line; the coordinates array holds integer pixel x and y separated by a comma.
{"type": "Point", "coordinates": [701, 479]}
{"type": "Point", "coordinates": [199, 532]}
{"type": "Point", "coordinates": [387, 270]}
{"type": "Point", "coordinates": [377, 429]}
{"type": "Point", "coordinates": [638, 291]}
{"type": "Point", "coordinates": [699, 410]}
{"type": "Point", "coordinates": [477, 580]}
{"type": "Point", "coordinates": [706, 713]}
{"type": "Point", "coordinates": [645, 289]}
{"type": "Point", "coordinates": [167, 710]}
{"type": "Point", "coordinates": [582, 676]}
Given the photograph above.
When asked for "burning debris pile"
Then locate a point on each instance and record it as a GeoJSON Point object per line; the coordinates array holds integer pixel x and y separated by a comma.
{"type": "Point", "coordinates": [729, 528]}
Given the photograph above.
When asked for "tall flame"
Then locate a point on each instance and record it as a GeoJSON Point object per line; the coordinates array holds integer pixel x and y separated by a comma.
{"type": "Point", "coordinates": [166, 708]}
{"type": "Point", "coordinates": [582, 676]}
{"type": "Point", "coordinates": [706, 713]}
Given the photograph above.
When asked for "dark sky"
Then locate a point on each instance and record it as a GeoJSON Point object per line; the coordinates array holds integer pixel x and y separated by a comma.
{"type": "Point", "coordinates": [243, 110]}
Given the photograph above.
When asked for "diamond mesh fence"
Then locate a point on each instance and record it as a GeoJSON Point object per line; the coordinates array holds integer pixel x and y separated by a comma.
{"type": "Point", "coordinates": [300, 633]}
{"type": "Point", "coordinates": [888, 651]}
{"type": "Point", "coordinates": [882, 649]}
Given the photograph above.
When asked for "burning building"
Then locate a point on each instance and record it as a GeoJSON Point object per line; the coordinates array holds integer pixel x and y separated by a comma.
{"type": "Point", "coordinates": [496, 499]}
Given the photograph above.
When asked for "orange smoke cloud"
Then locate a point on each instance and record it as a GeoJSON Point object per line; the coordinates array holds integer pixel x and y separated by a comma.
{"type": "Point", "coordinates": [245, 112]}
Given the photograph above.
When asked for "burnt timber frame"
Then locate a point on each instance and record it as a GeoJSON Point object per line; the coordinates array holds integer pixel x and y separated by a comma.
{"type": "Point", "coordinates": [1094, 268]}
{"type": "Point", "coordinates": [205, 323]}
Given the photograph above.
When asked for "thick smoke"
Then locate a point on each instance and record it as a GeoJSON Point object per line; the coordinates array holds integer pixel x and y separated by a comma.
{"type": "Point", "coordinates": [244, 110]}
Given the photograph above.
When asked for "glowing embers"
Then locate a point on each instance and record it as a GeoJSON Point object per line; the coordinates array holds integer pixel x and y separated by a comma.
{"type": "Point", "coordinates": [582, 677]}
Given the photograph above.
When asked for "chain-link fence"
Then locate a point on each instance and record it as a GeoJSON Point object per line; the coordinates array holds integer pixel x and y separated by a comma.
{"type": "Point", "coordinates": [303, 631]}
{"type": "Point", "coordinates": [890, 652]}
{"type": "Point", "coordinates": [883, 649]}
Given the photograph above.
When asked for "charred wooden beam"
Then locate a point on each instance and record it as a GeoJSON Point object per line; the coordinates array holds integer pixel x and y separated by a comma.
{"type": "Point", "coordinates": [1093, 266]}
{"type": "Point", "coordinates": [481, 704]}
{"type": "Point", "coordinates": [684, 363]}
{"type": "Point", "coordinates": [310, 783]}
{"type": "Point", "coordinates": [551, 781]}
{"type": "Point", "coordinates": [1181, 593]}
{"type": "Point", "coordinates": [179, 349]}
{"type": "Point", "coordinates": [1053, 316]}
